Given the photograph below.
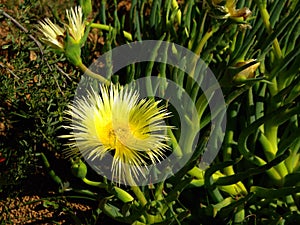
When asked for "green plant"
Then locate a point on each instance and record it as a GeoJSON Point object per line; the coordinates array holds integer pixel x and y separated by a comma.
{"type": "Point", "coordinates": [253, 49]}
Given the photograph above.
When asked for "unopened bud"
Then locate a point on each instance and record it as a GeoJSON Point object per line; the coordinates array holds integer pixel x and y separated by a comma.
{"type": "Point", "coordinates": [86, 6]}
{"type": "Point", "coordinates": [247, 73]}
{"type": "Point", "coordinates": [78, 168]}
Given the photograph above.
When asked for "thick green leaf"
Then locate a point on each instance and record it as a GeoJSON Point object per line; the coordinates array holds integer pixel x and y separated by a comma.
{"type": "Point", "coordinates": [281, 28]}
{"type": "Point", "coordinates": [271, 193]}
{"type": "Point", "coordinates": [275, 11]}
{"type": "Point", "coordinates": [228, 209]}
{"type": "Point", "coordinates": [251, 172]}
{"type": "Point", "coordinates": [292, 179]}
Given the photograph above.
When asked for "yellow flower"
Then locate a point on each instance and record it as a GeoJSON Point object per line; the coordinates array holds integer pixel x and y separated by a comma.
{"type": "Point", "coordinates": [239, 15]}
{"type": "Point", "coordinates": [118, 123]}
{"type": "Point", "coordinates": [55, 35]}
{"type": "Point", "coordinates": [76, 25]}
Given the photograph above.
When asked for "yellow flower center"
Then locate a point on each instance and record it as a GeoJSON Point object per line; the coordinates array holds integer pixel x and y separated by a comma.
{"type": "Point", "coordinates": [117, 137]}
{"type": "Point", "coordinates": [112, 137]}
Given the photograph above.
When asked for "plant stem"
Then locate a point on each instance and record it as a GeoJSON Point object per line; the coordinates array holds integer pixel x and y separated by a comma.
{"type": "Point", "coordinates": [266, 19]}
{"type": "Point", "coordinates": [51, 172]}
{"type": "Point", "coordinates": [121, 194]}
{"type": "Point", "coordinates": [127, 35]}
{"type": "Point", "coordinates": [94, 183]}
{"type": "Point", "coordinates": [142, 199]}
{"type": "Point", "coordinates": [203, 41]}
{"type": "Point", "coordinates": [175, 146]}
{"type": "Point", "coordinates": [91, 74]}
{"type": "Point", "coordinates": [159, 191]}
{"type": "Point", "coordinates": [139, 194]}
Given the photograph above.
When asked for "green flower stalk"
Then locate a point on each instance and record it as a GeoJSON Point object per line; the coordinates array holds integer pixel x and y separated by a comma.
{"type": "Point", "coordinates": [105, 27]}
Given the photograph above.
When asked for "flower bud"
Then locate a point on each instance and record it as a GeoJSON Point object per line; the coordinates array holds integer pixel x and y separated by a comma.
{"type": "Point", "coordinates": [154, 207]}
{"type": "Point", "coordinates": [247, 73]}
{"type": "Point", "coordinates": [240, 73]}
{"type": "Point", "coordinates": [86, 6]}
{"type": "Point", "coordinates": [78, 168]}
{"type": "Point", "coordinates": [122, 195]}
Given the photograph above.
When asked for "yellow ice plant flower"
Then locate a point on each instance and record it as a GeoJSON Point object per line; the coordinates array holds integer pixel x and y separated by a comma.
{"type": "Point", "coordinates": [76, 26]}
{"type": "Point", "coordinates": [116, 122]}
{"type": "Point", "coordinates": [68, 39]}
{"type": "Point", "coordinates": [55, 35]}
{"type": "Point", "coordinates": [52, 33]}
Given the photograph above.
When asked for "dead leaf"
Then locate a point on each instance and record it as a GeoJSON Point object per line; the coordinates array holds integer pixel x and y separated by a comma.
{"type": "Point", "coordinates": [32, 56]}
